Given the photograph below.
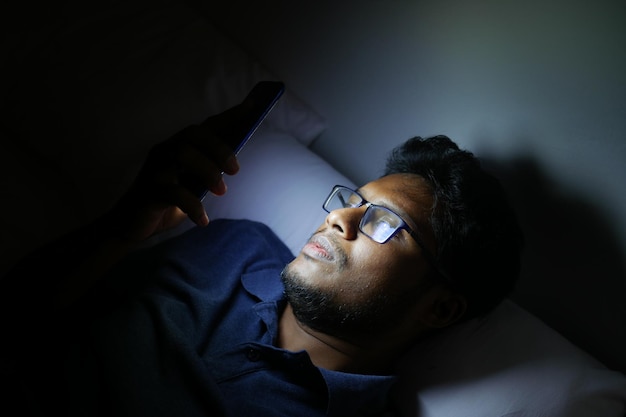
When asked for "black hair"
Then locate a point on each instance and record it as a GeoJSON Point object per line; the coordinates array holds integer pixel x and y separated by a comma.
{"type": "Point", "coordinates": [478, 238]}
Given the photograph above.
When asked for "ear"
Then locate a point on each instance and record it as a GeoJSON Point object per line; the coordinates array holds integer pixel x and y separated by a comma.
{"type": "Point", "coordinates": [445, 308]}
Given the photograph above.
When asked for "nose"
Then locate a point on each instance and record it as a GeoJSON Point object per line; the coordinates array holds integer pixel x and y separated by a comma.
{"type": "Point", "coordinates": [345, 222]}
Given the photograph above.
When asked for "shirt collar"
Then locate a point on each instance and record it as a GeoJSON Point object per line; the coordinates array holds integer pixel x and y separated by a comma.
{"type": "Point", "coordinates": [264, 284]}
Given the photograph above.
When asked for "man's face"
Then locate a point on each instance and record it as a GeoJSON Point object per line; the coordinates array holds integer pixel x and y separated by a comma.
{"type": "Point", "coordinates": [343, 283]}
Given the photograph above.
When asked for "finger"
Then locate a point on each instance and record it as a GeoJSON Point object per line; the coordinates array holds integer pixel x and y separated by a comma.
{"type": "Point", "coordinates": [212, 147]}
{"type": "Point", "coordinates": [196, 168]}
{"type": "Point", "coordinates": [181, 160]}
{"type": "Point", "coordinates": [234, 125]}
{"type": "Point", "coordinates": [187, 202]}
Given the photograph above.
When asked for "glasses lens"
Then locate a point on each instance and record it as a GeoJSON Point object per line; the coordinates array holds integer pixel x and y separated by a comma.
{"type": "Point", "coordinates": [380, 223]}
{"type": "Point", "coordinates": [342, 198]}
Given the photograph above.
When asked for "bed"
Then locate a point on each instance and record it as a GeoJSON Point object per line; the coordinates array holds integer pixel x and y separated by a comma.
{"type": "Point", "coordinates": [86, 94]}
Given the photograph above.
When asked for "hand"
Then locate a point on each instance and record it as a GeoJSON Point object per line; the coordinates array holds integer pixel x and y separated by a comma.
{"type": "Point", "coordinates": [158, 199]}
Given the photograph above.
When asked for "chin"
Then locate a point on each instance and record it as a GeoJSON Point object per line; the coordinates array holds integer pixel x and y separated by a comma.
{"type": "Point", "coordinates": [320, 308]}
{"type": "Point", "coordinates": [309, 270]}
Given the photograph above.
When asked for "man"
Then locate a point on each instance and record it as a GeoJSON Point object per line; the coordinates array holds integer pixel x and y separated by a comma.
{"type": "Point", "coordinates": [222, 320]}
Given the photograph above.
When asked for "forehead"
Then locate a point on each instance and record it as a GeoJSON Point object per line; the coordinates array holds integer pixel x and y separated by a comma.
{"type": "Point", "coordinates": [407, 194]}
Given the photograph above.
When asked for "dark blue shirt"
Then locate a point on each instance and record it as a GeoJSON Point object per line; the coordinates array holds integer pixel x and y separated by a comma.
{"type": "Point", "coordinates": [193, 332]}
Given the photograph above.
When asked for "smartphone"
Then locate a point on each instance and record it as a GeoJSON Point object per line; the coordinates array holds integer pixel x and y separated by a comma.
{"type": "Point", "coordinates": [258, 104]}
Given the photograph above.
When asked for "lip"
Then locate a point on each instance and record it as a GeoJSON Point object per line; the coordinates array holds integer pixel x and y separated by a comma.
{"type": "Point", "coordinates": [319, 247]}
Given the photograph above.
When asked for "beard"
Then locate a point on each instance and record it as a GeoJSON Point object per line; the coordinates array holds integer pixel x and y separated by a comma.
{"type": "Point", "coordinates": [321, 310]}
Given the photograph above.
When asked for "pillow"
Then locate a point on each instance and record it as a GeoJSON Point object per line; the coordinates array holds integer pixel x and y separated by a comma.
{"type": "Point", "coordinates": [507, 364]}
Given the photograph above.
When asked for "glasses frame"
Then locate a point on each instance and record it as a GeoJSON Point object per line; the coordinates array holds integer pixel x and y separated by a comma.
{"type": "Point", "coordinates": [403, 225]}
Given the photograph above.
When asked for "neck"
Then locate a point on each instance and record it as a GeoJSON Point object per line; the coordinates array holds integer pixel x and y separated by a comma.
{"type": "Point", "coordinates": [327, 351]}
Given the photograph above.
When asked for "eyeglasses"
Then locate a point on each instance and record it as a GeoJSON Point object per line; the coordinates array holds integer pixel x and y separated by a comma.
{"type": "Point", "coordinates": [378, 223]}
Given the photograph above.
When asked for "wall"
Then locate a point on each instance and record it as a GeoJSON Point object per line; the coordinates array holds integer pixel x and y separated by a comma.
{"type": "Point", "coordinates": [537, 89]}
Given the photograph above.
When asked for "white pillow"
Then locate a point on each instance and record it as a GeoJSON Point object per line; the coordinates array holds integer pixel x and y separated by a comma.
{"type": "Point", "coordinates": [508, 364]}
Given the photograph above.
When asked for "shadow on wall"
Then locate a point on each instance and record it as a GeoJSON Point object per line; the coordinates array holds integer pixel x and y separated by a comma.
{"type": "Point", "coordinates": [573, 275]}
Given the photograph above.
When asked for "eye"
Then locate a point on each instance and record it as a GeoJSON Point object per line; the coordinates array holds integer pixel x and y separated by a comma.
{"type": "Point", "coordinates": [353, 201]}
{"type": "Point", "coordinates": [380, 229]}
{"type": "Point", "coordinates": [348, 199]}
{"type": "Point", "coordinates": [397, 233]}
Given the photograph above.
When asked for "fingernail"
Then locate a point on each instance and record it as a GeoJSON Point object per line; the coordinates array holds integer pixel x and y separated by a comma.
{"type": "Point", "coordinates": [220, 187]}
{"type": "Point", "coordinates": [232, 165]}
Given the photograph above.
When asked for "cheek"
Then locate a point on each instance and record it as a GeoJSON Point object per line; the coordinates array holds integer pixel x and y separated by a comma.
{"type": "Point", "coordinates": [394, 272]}
{"type": "Point", "coordinates": [373, 272]}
